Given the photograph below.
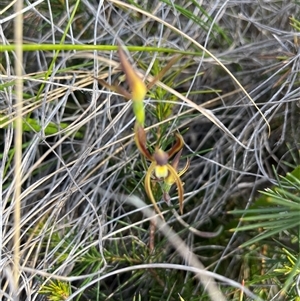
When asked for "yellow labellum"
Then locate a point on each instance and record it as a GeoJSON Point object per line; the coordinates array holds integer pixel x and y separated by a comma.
{"type": "Point", "coordinates": [161, 171]}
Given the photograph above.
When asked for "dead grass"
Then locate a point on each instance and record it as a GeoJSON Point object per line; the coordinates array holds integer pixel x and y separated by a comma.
{"type": "Point", "coordinates": [73, 204]}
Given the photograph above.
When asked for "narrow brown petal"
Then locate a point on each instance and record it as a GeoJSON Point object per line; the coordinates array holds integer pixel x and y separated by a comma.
{"type": "Point", "coordinates": [176, 159]}
{"type": "Point", "coordinates": [179, 187]}
{"type": "Point", "coordinates": [115, 88]}
{"type": "Point", "coordinates": [140, 141]}
{"type": "Point", "coordinates": [186, 167]}
{"type": "Point", "coordinates": [177, 146]}
{"type": "Point", "coordinates": [149, 190]}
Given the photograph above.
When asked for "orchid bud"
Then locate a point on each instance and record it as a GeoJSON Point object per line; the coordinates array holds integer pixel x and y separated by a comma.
{"type": "Point", "coordinates": [137, 87]}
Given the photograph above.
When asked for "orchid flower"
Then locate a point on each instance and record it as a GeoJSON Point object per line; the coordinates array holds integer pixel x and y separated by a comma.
{"type": "Point", "coordinates": [137, 87]}
{"type": "Point", "coordinates": [160, 167]}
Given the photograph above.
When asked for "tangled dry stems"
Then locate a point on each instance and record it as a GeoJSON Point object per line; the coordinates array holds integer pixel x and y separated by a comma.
{"type": "Point", "coordinates": [68, 183]}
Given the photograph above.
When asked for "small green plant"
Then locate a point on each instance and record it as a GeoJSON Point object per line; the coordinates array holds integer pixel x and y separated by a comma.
{"type": "Point", "coordinates": [56, 290]}
{"type": "Point", "coordinates": [290, 267]}
{"type": "Point", "coordinates": [276, 215]}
